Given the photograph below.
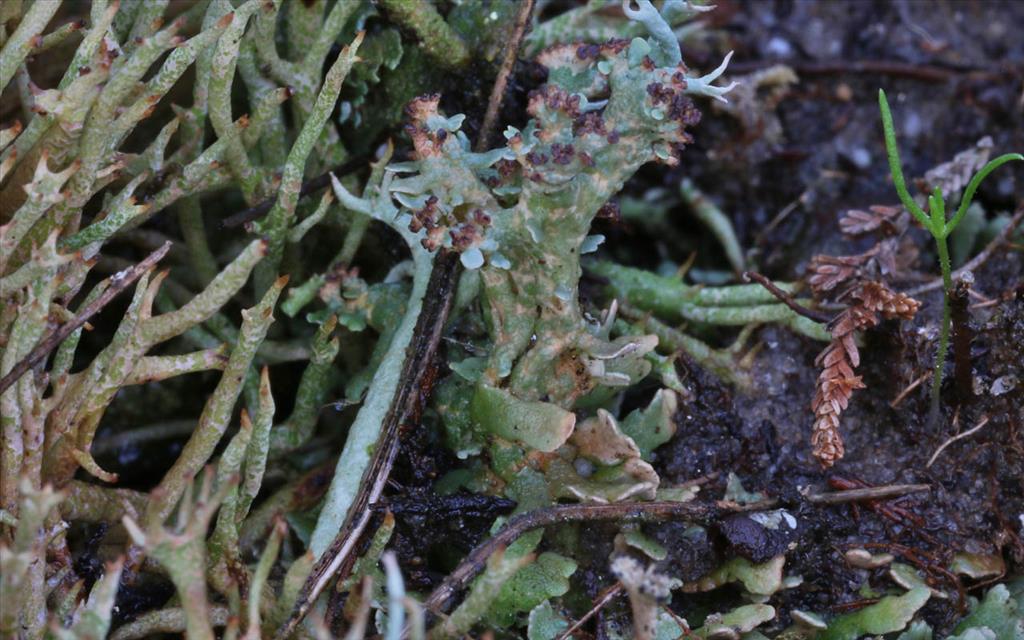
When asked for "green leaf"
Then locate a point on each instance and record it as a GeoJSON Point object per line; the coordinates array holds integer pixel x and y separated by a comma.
{"type": "Point", "coordinates": [652, 427]}
{"type": "Point", "coordinates": [742, 619]}
{"type": "Point", "coordinates": [758, 579]}
{"type": "Point", "coordinates": [638, 540]}
{"type": "Point", "coordinates": [452, 401]}
{"type": "Point", "coordinates": [735, 492]}
{"type": "Point", "coordinates": [545, 623]}
{"type": "Point", "coordinates": [999, 612]}
{"type": "Point", "coordinates": [972, 186]}
{"type": "Point", "coordinates": [976, 633]}
{"type": "Point", "coordinates": [548, 577]}
{"type": "Point", "coordinates": [470, 368]}
{"type": "Point", "coordinates": [918, 631]}
{"type": "Point", "coordinates": [964, 237]}
{"type": "Point", "coordinates": [889, 614]}
{"type": "Point", "coordinates": [895, 167]}
{"type": "Point", "coordinates": [978, 566]}
{"type": "Point", "coordinates": [538, 425]}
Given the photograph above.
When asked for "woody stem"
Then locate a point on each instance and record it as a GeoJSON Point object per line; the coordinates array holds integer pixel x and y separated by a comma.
{"type": "Point", "coordinates": [947, 288]}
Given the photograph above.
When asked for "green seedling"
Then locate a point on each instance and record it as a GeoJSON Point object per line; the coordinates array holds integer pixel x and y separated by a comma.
{"type": "Point", "coordinates": [936, 223]}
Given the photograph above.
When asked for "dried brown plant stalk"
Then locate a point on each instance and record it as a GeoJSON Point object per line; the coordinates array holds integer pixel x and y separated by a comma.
{"type": "Point", "coordinates": [837, 382]}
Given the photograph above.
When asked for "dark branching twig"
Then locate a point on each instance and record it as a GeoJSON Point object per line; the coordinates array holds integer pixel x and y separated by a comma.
{"type": "Point", "coordinates": [963, 335]}
{"type": "Point", "coordinates": [498, 91]}
{"type": "Point", "coordinates": [116, 284]}
{"type": "Point", "coordinates": [883, 492]}
{"type": "Point", "coordinates": [475, 562]}
{"type": "Point", "coordinates": [976, 428]}
{"type": "Point", "coordinates": [706, 513]}
{"type": "Point", "coordinates": [786, 299]}
{"type": "Point", "coordinates": [337, 558]}
{"type": "Point", "coordinates": [602, 599]}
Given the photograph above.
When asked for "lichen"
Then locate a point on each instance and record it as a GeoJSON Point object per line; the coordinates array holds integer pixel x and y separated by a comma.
{"type": "Point", "coordinates": [557, 378]}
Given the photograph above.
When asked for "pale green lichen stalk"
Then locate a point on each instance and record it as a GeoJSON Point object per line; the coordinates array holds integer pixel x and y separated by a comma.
{"type": "Point", "coordinates": [521, 214]}
{"type": "Point", "coordinates": [71, 152]}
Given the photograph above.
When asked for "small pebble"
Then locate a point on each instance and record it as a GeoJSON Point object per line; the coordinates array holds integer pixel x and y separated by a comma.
{"type": "Point", "coordinates": [778, 48]}
{"type": "Point", "coordinates": [913, 125]}
{"type": "Point", "coordinates": [1003, 384]}
{"type": "Point", "coordinates": [860, 158]}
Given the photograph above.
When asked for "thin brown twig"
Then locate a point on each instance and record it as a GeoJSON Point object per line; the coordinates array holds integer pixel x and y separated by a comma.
{"type": "Point", "coordinates": [985, 305]}
{"type": "Point", "coordinates": [985, 584]}
{"type": "Point", "coordinates": [883, 492]}
{"type": "Point", "coordinates": [117, 283]}
{"type": "Point", "coordinates": [413, 391]}
{"type": "Point", "coordinates": [856, 605]}
{"type": "Point", "coordinates": [475, 561]}
{"type": "Point", "coordinates": [698, 481]}
{"type": "Point", "coordinates": [686, 266]}
{"type": "Point", "coordinates": [704, 512]}
{"type": "Point", "coordinates": [928, 563]}
{"type": "Point", "coordinates": [910, 387]}
{"type": "Point", "coordinates": [977, 260]}
{"type": "Point", "coordinates": [976, 428]}
{"type": "Point", "coordinates": [498, 90]}
{"type": "Point", "coordinates": [785, 298]}
{"type": "Point", "coordinates": [602, 599]}
{"type": "Point", "coordinates": [684, 626]}
{"type": "Point", "coordinates": [780, 216]}
{"type": "Point", "coordinates": [985, 301]}
{"type": "Point", "coordinates": [977, 296]}
{"type": "Point", "coordinates": [963, 336]}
